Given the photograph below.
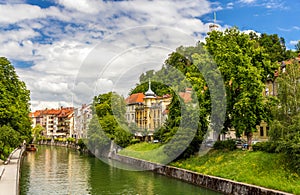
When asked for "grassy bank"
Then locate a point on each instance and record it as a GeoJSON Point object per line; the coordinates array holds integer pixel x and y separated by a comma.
{"type": "Point", "coordinates": [258, 168]}
{"type": "Point", "coordinates": [147, 151]}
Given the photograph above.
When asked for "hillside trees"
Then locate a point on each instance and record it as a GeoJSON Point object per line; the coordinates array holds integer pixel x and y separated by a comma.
{"type": "Point", "coordinates": [14, 108]}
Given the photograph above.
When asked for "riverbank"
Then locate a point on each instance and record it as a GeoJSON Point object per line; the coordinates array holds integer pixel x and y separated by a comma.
{"type": "Point", "coordinates": [10, 172]}
{"type": "Point", "coordinates": [254, 168]}
{"type": "Point", "coordinates": [217, 184]}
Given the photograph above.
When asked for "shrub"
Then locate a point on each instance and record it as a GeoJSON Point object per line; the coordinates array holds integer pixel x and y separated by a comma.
{"type": "Point", "coordinates": [270, 147]}
{"type": "Point", "coordinates": [71, 139]}
{"type": "Point", "coordinates": [134, 141]}
{"type": "Point", "coordinates": [81, 144]}
{"type": "Point", "coordinates": [226, 144]}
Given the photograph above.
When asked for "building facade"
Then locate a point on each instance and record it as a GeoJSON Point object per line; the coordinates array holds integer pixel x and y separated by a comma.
{"type": "Point", "coordinates": [57, 123]}
{"type": "Point", "coordinates": [82, 117]}
{"type": "Point", "coordinates": [147, 112]}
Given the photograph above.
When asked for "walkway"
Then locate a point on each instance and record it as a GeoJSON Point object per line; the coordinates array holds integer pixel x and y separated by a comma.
{"type": "Point", "coordinates": [10, 178]}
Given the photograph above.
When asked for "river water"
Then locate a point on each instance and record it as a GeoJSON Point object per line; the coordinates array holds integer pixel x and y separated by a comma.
{"type": "Point", "coordinates": [59, 170]}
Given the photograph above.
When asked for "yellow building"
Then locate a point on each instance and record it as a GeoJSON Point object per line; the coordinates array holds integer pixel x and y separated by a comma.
{"type": "Point", "coordinates": [147, 111]}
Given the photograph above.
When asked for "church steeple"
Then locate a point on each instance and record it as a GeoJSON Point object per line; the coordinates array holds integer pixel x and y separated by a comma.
{"type": "Point", "coordinates": [150, 93]}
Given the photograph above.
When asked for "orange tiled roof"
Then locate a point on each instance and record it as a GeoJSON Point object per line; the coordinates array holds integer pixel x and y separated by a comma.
{"type": "Point", "coordinates": [61, 112]}
{"type": "Point", "coordinates": [35, 114]}
{"type": "Point", "coordinates": [135, 98]}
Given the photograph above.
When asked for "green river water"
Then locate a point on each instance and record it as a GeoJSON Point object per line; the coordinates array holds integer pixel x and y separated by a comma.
{"type": "Point", "coordinates": [59, 170]}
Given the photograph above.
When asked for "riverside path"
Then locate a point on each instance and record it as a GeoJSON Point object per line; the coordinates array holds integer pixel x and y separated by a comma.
{"type": "Point", "coordinates": [9, 171]}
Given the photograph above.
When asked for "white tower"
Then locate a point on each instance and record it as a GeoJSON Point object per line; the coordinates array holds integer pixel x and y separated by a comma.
{"type": "Point", "coordinates": [214, 25]}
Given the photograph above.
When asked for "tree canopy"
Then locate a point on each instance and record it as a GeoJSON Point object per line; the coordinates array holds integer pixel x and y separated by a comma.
{"type": "Point", "coordinates": [108, 123]}
{"type": "Point", "coordinates": [245, 66]}
{"type": "Point", "coordinates": [14, 108]}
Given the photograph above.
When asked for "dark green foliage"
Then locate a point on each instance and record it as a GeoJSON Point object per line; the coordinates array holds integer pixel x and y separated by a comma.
{"type": "Point", "coordinates": [134, 141]}
{"type": "Point", "coordinates": [297, 47]}
{"type": "Point", "coordinates": [270, 147]}
{"type": "Point", "coordinates": [159, 88]}
{"type": "Point", "coordinates": [183, 69]}
{"type": "Point", "coordinates": [81, 144]}
{"type": "Point", "coordinates": [14, 108]}
{"type": "Point", "coordinates": [108, 123]}
{"type": "Point", "coordinates": [225, 145]}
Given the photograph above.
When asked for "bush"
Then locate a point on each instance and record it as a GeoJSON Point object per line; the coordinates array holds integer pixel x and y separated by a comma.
{"type": "Point", "coordinates": [81, 144]}
{"type": "Point", "coordinates": [227, 144]}
{"type": "Point", "coordinates": [71, 139]}
{"type": "Point", "coordinates": [270, 147]}
{"type": "Point", "coordinates": [134, 141]}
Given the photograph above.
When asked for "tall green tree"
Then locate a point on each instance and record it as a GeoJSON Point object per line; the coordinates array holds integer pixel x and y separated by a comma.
{"type": "Point", "coordinates": [14, 103]}
{"type": "Point", "coordinates": [286, 112]}
{"type": "Point", "coordinates": [185, 120]}
{"type": "Point", "coordinates": [244, 66]}
{"type": "Point", "coordinates": [109, 110]}
{"type": "Point", "coordinates": [285, 128]}
{"type": "Point", "coordinates": [297, 47]}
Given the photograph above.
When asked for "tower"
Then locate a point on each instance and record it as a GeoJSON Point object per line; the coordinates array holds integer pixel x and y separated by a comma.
{"type": "Point", "coordinates": [214, 25]}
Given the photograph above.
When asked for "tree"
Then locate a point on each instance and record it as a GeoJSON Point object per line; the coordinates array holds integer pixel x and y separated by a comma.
{"type": "Point", "coordinates": [286, 112]}
{"type": "Point", "coordinates": [297, 47]}
{"type": "Point", "coordinates": [244, 66]}
{"type": "Point", "coordinates": [109, 122]}
{"type": "Point", "coordinates": [14, 103]}
{"type": "Point", "coordinates": [285, 128]}
{"type": "Point", "coordinates": [185, 120]}
{"type": "Point", "coordinates": [36, 132]}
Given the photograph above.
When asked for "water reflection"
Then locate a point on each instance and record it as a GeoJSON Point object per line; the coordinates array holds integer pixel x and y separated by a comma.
{"type": "Point", "coordinates": [57, 170]}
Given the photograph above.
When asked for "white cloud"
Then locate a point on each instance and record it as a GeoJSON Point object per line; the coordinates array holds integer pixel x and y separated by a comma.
{"type": "Point", "coordinates": [247, 1]}
{"type": "Point", "coordinates": [294, 28]}
{"type": "Point", "coordinates": [294, 42]}
{"type": "Point", "coordinates": [230, 5]}
{"type": "Point", "coordinates": [85, 6]}
{"type": "Point", "coordinates": [17, 12]}
{"type": "Point", "coordinates": [126, 38]}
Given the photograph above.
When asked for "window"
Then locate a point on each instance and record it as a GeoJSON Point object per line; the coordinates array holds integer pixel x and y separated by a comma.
{"type": "Point", "coordinates": [261, 131]}
{"type": "Point", "coordinates": [267, 131]}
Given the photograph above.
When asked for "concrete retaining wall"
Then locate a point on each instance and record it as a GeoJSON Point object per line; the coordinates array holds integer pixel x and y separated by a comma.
{"type": "Point", "coordinates": [214, 183]}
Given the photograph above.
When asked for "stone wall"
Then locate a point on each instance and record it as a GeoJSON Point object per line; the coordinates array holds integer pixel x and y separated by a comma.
{"type": "Point", "coordinates": [57, 143]}
{"type": "Point", "coordinates": [214, 183]}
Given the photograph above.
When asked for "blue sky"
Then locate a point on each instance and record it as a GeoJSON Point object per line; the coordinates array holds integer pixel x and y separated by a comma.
{"type": "Point", "coordinates": [270, 16]}
{"type": "Point", "coordinates": [68, 50]}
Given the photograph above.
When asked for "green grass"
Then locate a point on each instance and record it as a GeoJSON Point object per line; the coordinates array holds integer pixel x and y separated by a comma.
{"type": "Point", "coordinates": [152, 152]}
{"type": "Point", "coordinates": [258, 168]}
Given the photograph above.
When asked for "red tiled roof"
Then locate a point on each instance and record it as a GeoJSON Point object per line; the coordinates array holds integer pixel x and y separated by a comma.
{"type": "Point", "coordinates": [61, 112]}
{"type": "Point", "coordinates": [135, 98]}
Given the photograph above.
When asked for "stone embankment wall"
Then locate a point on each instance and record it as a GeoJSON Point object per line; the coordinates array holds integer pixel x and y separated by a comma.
{"type": "Point", "coordinates": [56, 143]}
{"type": "Point", "coordinates": [214, 183]}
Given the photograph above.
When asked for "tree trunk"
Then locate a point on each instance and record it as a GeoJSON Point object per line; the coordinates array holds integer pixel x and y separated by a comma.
{"type": "Point", "coordinates": [249, 139]}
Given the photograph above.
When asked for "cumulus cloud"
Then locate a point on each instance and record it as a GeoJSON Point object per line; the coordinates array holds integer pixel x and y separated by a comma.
{"type": "Point", "coordinates": [85, 46]}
